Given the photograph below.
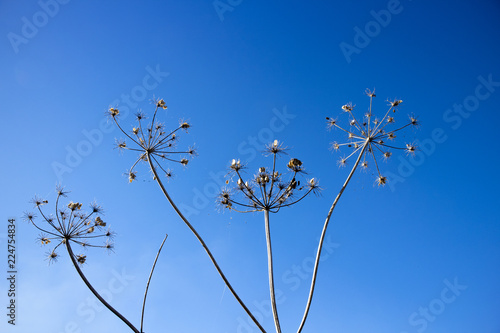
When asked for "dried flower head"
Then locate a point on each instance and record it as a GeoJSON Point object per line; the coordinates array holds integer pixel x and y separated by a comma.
{"type": "Point", "coordinates": [113, 112]}
{"type": "Point", "coordinates": [153, 143]}
{"type": "Point", "coordinates": [70, 226]}
{"type": "Point", "coordinates": [366, 137]}
{"type": "Point", "coordinates": [267, 189]}
{"type": "Point", "coordinates": [161, 104]}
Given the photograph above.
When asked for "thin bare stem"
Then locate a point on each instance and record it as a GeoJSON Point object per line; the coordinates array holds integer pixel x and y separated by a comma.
{"type": "Point", "coordinates": [106, 304]}
{"type": "Point", "coordinates": [323, 233]}
{"type": "Point", "coordinates": [193, 230]}
{"type": "Point", "coordinates": [149, 280]}
{"type": "Point", "coordinates": [270, 270]}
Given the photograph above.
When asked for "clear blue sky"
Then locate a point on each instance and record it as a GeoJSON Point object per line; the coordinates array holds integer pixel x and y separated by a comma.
{"type": "Point", "coordinates": [395, 250]}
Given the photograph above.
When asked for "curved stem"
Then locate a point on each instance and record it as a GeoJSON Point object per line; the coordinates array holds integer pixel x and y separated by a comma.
{"type": "Point", "coordinates": [270, 270]}
{"type": "Point", "coordinates": [320, 246]}
{"type": "Point", "coordinates": [106, 304]}
{"type": "Point", "coordinates": [193, 230]}
{"type": "Point", "coordinates": [149, 280]}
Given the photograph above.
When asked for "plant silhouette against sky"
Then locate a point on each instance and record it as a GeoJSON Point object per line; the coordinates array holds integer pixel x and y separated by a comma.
{"type": "Point", "coordinates": [269, 190]}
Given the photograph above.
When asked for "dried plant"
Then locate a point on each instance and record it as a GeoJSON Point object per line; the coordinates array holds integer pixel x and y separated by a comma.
{"type": "Point", "coordinates": [370, 136]}
{"type": "Point", "coordinates": [157, 146]}
{"type": "Point", "coordinates": [366, 137]}
{"type": "Point", "coordinates": [153, 143]}
{"type": "Point", "coordinates": [267, 192]}
{"type": "Point", "coordinates": [72, 226]}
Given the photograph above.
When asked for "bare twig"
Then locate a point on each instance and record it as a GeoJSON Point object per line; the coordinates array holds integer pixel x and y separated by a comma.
{"type": "Point", "coordinates": [149, 280]}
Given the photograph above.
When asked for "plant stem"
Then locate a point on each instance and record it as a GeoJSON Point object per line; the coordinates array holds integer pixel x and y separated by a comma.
{"type": "Point", "coordinates": [149, 280]}
{"type": "Point", "coordinates": [270, 270]}
{"type": "Point", "coordinates": [193, 230]}
{"type": "Point", "coordinates": [106, 304]}
{"type": "Point", "coordinates": [320, 246]}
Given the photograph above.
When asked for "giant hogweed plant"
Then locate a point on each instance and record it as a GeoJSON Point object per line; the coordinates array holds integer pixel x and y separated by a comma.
{"type": "Point", "coordinates": [268, 190]}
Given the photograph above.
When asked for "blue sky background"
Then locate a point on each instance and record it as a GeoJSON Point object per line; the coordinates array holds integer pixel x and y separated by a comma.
{"type": "Point", "coordinates": [393, 248]}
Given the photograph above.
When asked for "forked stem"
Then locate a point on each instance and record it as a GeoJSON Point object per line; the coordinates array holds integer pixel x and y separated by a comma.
{"type": "Point", "coordinates": [149, 280]}
{"type": "Point", "coordinates": [323, 233]}
{"type": "Point", "coordinates": [99, 297]}
{"type": "Point", "coordinates": [205, 247]}
{"type": "Point", "coordinates": [270, 270]}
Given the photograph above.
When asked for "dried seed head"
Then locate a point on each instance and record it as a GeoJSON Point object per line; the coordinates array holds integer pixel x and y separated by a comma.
{"type": "Point", "coordinates": [81, 259]}
{"type": "Point", "coordinates": [132, 175]}
{"type": "Point", "coordinates": [295, 164]}
{"type": "Point", "coordinates": [99, 222]}
{"type": "Point", "coordinates": [113, 112]}
{"type": "Point", "coordinates": [347, 107]}
{"type": "Point", "coordinates": [236, 165]}
{"type": "Point", "coordinates": [381, 180]}
{"type": "Point", "coordinates": [275, 148]}
{"type": "Point", "coordinates": [74, 205]}
{"type": "Point", "coordinates": [370, 93]}
{"type": "Point", "coordinates": [52, 256]}
{"type": "Point", "coordinates": [411, 148]}
{"type": "Point", "coordinates": [414, 121]}
{"type": "Point", "coordinates": [161, 104]}
{"type": "Point", "coordinates": [330, 122]}
{"type": "Point", "coordinates": [395, 103]}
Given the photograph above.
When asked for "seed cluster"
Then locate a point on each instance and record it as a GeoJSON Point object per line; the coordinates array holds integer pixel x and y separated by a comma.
{"type": "Point", "coordinates": [267, 189]}
{"type": "Point", "coordinates": [153, 141]}
{"type": "Point", "coordinates": [70, 224]}
{"type": "Point", "coordinates": [371, 135]}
